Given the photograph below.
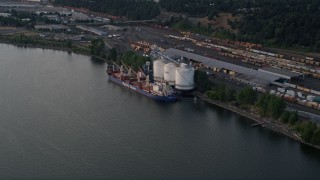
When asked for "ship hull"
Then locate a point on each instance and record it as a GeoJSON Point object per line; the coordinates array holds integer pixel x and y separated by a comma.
{"type": "Point", "coordinates": [170, 98]}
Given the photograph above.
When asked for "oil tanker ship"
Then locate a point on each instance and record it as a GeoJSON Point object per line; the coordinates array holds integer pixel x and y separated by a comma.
{"type": "Point", "coordinates": [139, 82]}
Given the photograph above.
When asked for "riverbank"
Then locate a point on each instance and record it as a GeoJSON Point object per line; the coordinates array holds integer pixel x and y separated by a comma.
{"type": "Point", "coordinates": [72, 49]}
{"type": "Point", "coordinates": [263, 122]}
{"type": "Point", "coordinates": [48, 44]}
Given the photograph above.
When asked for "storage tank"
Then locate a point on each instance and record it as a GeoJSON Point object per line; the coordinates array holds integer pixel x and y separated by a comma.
{"type": "Point", "coordinates": [158, 69]}
{"type": "Point", "coordinates": [184, 77]}
{"type": "Point", "coordinates": [170, 73]}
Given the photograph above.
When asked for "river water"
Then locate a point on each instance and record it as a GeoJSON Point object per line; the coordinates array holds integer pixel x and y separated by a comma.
{"type": "Point", "coordinates": [62, 118]}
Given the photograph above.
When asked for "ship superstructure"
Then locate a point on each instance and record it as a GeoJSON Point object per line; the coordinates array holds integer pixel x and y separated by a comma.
{"type": "Point", "coordinates": [140, 82]}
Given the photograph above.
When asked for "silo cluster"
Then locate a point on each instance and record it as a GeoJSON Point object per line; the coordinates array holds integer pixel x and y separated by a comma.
{"type": "Point", "coordinates": [181, 77]}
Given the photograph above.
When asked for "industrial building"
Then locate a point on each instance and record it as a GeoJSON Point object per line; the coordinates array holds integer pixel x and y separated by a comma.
{"type": "Point", "coordinates": [52, 17]}
{"type": "Point", "coordinates": [52, 27]}
{"type": "Point", "coordinates": [39, 1]}
{"type": "Point", "coordinates": [80, 16]}
{"type": "Point", "coordinates": [92, 30]}
{"type": "Point", "coordinates": [102, 20]}
{"type": "Point", "coordinates": [18, 5]}
{"type": "Point", "coordinates": [5, 14]}
{"type": "Point", "coordinates": [242, 74]}
{"type": "Point", "coordinates": [283, 73]}
{"type": "Point", "coordinates": [113, 28]}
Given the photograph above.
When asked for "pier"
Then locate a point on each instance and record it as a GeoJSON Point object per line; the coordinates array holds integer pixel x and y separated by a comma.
{"type": "Point", "coordinates": [258, 124]}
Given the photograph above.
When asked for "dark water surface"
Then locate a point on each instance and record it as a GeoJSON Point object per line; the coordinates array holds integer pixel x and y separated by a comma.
{"type": "Point", "coordinates": [62, 118]}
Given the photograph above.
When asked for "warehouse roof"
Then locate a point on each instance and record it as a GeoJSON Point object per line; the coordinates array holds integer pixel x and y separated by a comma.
{"type": "Point", "coordinates": [280, 72]}
{"type": "Point", "coordinates": [52, 27]}
{"type": "Point", "coordinates": [18, 5]}
{"type": "Point", "coordinates": [252, 80]}
{"type": "Point", "coordinates": [220, 64]}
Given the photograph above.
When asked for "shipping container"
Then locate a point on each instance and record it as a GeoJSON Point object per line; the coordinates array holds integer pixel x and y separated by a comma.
{"type": "Point", "coordinates": [306, 89]}
{"type": "Point", "coordinates": [301, 102]}
{"type": "Point", "coordinates": [309, 104]}
{"type": "Point", "coordinates": [316, 92]}
{"type": "Point", "coordinates": [300, 88]}
{"type": "Point", "coordinates": [293, 85]}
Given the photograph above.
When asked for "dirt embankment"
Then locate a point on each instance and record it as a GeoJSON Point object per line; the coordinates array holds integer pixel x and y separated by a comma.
{"type": "Point", "coordinates": [220, 21]}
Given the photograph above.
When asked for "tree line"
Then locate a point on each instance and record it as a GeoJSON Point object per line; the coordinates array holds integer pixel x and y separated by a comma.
{"type": "Point", "coordinates": [131, 59]}
{"type": "Point", "coordinates": [266, 105]}
{"type": "Point", "coordinates": [280, 23]}
{"type": "Point", "coordinates": [17, 19]}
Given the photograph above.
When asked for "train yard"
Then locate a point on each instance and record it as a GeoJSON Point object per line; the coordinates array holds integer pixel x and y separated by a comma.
{"type": "Point", "coordinates": [297, 76]}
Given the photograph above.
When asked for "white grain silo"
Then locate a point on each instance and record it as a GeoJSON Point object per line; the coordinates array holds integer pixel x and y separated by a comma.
{"type": "Point", "coordinates": [170, 73]}
{"type": "Point", "coordinates": [158, 70]}
{"type": "Point", "coordinates": [185, 77]}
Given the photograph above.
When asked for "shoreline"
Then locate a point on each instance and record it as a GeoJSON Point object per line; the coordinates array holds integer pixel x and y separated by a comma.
{"type": "Point", "coordinates": [270, 124]}
{"type": "Point", "coordinates": [56, 48]}
{"type": "Point", "coordinates": [64, 49]}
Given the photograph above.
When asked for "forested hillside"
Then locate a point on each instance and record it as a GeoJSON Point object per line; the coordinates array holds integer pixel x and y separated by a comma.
{"type": "Point", "coordinates": [271, 22]}
{"type": "Point", "coordinates": [141, 9]}
{"type": "Point", "coordinates": [287, 23]}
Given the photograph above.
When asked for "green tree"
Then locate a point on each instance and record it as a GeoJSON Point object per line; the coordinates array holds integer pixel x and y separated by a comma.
{"type": "Point", "coordinates": [262, 103]}
{"type": "Point", "coordinates": [221, 92]}
{"type": "Point", "coordinates": [69, 43]}
{"type": "Point", "coordinates": [293, 118]}
{"type": "Point", "coordinates": [246, 96]}
{"type": "Point", "coordinates": [230, 94]}
{"type": "Point", "coordinates": [307, 130]}
{"type": "Point", "coordinates": [307, 134]}
{"type": "Point", "coordinates": [134, 60]}
{"type": "Point", "coordinates": [316, 137]}
{"type": "Point", "coordinates": [202, 82]}
{"type": "Point", "coordinates": [113, 54]}
{"type": "Point", "coordinates": [271, 105]}
{"type": "Point", "coordinates": [276, 106]}
{"type": "Point", "coordinates": [97, 47]}
{"type": "Point", "coordinates": [285, 117]}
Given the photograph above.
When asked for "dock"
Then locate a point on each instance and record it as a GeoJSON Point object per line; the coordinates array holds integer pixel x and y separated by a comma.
{"type": "Point", "coordinates": [258, 124]}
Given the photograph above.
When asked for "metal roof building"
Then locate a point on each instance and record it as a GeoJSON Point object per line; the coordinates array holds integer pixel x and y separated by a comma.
{"type": "Point", "coordinates": [280, 72]}
{"type": "Point", "coordinates": [52, 27]}
{"type": "Point", "coordinates": [253, 74]}
{"type": "Point", "coordinates": [18, 5]}
{"type": "Point", "coordinates": [92, 30]}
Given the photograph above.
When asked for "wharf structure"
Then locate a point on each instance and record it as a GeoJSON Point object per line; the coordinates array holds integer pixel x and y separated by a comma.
{"type": "Point", "coordinates": [242, 74]}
